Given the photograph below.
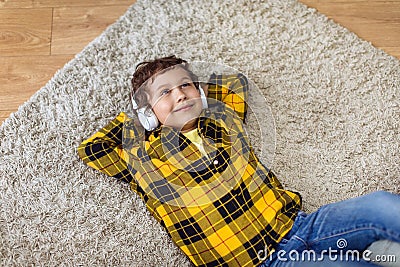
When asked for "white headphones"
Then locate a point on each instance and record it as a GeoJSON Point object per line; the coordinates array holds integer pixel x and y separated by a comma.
{"type": "Point", "coordinates": [147, 117]}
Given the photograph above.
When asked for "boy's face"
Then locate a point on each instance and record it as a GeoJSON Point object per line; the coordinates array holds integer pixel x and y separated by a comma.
{"type": "Point", "coordinates": [175, 100]}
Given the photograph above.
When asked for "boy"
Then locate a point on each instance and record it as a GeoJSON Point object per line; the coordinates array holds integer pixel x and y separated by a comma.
{"type": "Point", "coordinates": [199, 177]}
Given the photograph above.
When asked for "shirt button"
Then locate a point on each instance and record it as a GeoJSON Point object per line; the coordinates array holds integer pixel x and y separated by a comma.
{"type": "Point", "coordinates": [216, 162]}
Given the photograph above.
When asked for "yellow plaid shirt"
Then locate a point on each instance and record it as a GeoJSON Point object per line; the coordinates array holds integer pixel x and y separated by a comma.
{"type": "Point", "coordinates": [221, 209]}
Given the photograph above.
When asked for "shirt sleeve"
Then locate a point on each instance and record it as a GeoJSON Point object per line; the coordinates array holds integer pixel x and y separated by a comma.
{"type": "Point", "coordinates": [103, 151]}
{"type": "Point", "coordinates": [106, 151]}
{"type": "Point", "coordinates": [232, 90]}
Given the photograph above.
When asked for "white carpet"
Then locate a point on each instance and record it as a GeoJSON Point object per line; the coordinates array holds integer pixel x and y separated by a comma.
{"type": "Point", "coordinates": [334, 97]}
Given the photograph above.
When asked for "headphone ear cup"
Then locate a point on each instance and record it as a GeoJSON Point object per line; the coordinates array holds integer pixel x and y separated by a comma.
{"type": "Point", "coordinates": [147, 118]}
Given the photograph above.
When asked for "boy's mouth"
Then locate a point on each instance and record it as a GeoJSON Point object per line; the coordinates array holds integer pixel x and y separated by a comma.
{"type": "Point", "coordinates": [184, 107]}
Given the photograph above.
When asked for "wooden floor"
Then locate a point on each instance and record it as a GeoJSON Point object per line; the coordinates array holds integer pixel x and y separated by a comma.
{"type": "Point", "coordinates": [37, 37]}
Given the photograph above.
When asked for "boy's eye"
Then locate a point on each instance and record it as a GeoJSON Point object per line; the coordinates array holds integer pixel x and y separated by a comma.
{"type": "Point", "coordinates": [164, 91]}
{"type": "Point", "coordinates": [187, 84]}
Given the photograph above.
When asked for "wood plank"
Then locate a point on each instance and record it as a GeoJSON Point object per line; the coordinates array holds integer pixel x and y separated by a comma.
{"type": "Point", "coordinates": [25, 31]}
{"type": "Point", "coordinates": [352, 1]}
{"type": "Point", "coordinates": [370, 11]}
{"type": "Point", "coordinates": [309, 3]}
{"type": "Point", "coordinates": [394, 51]}
{"type": "Point", "coordinates": [19, 80]}
{"type": "Point", "coordinates": [4, 115]}
{"type": "Point", "coordinates": [75, 3]}
{"type": "Point", "coordinates": [61, 3]}
{"type": "Point", "coordinates": [16, 4]}
{"type": "Point", "coordinates": [75, 27]}
{"type": "Point", "coordinates": [372, 31]}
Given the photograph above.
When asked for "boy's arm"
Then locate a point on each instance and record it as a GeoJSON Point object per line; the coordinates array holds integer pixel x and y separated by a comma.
{"type": "Point", "coordinates": [103, 150]}
{"type": "Point", "coordinates": [230, 89]}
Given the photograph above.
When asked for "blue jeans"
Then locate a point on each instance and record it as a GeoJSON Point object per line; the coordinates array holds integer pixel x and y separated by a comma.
{"type": "Point", "coordinates": [338, 234]}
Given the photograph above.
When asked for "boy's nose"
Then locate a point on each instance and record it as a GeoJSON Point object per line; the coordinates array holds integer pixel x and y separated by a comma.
{"type": "Point", "coordinates": [180, 95]}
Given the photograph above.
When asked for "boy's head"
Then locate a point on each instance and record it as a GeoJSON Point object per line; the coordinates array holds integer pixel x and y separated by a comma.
{"type": "Point", "coordinates": [168, 88]}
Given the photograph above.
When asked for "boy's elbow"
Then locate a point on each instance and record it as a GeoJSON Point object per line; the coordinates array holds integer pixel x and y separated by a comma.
{"type": "Point", "coordinates": [244, 82]}
{"type": "Point", "coordinates": [243, 79]}
{"type": "Point", "coordinates": [88, 150]}
{"type": "Point", "coordinates": [82, 152]}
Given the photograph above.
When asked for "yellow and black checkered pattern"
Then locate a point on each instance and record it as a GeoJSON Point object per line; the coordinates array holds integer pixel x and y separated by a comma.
{"type": "Point", "coordinates": [221, 209]}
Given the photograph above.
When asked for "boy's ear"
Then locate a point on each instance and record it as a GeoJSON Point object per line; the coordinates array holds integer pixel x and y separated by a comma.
{"type": "Point", "coordinates": [133, 102]}
{"type": "Point", "coordinates": [148, 97]}
{"type": "Point", "coordinates": [203, 96]}
{"type": "Point", "coordinates": [205, 89]}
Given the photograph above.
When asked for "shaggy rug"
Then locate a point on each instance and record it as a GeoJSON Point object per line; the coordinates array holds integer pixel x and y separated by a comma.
{"type": "Point", "coordinates": [335, 101]}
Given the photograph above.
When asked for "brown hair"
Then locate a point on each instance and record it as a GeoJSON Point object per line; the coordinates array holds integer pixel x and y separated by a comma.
{"type": "Point", "coordinates": [146, 70]}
